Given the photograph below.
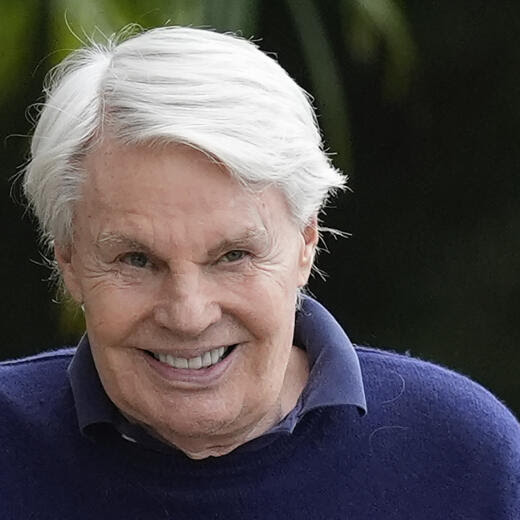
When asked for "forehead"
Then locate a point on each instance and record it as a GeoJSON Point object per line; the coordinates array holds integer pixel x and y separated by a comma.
{"type": "Point", "coordinates": [173, 189]}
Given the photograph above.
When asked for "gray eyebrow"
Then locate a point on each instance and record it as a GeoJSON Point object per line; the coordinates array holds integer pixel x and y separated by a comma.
{"type": "Point", "coordinates": [250, 235]}
{"type": "Point", "coordinates": [241, 240]}
{"type": "Point", "coordinates": [111, 238]}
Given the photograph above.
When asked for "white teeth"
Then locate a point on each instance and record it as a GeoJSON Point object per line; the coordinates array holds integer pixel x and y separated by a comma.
{"type": "Point", "coordinates": [205, 360]}
{"type": "Point", "coordinates": [176, 362]}
{"type": "Point", "coordinates": [195, 362]}
{"type": "Point", "coordinates": [180, 363]}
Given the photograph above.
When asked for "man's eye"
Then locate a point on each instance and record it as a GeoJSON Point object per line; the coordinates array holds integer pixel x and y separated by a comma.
{"type": "Point", "coordinates": [135, 259]}
{"type": "Point", "coordinates": [233, 256]}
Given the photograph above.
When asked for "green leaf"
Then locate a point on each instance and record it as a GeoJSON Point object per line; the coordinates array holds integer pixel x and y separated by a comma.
{"type": "Point", "coordinates": [325, 77]}
{"type": "Point", "coordinates": [232, 15]}
{"type": "Point", "coordinates": [18, 20]}
{"type": "Point", "coordinates": [369, 23]}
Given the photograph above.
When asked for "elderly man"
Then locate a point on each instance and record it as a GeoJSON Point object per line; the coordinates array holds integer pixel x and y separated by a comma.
{"type": "Point", "coordinates": [178, 177]}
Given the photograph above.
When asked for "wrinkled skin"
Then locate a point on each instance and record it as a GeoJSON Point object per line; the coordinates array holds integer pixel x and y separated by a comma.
{"type": "Point", "coordinates": [172, 255]}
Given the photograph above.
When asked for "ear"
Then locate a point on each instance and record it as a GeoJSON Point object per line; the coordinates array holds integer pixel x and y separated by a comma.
{"type": "Point", "coordinates": [310, 241]}
{"type": "Point", "coordinates": [64, 256]}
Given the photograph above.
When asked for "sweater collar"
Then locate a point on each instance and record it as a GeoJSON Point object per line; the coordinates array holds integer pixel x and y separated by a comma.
{"type": "Point", "coordinates": [334, 380]}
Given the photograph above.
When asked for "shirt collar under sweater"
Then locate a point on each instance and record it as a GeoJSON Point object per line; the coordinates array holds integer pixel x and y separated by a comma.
{"type": "Point", "coordinates": [334, 380]}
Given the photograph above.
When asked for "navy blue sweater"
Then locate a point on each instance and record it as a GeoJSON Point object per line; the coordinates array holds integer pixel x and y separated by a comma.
{"type": "Point", "coordinates": [446, 449]}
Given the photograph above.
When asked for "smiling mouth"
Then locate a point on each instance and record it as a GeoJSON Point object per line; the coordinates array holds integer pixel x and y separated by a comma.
{"type": "Point", "coordinates": [206, 360]}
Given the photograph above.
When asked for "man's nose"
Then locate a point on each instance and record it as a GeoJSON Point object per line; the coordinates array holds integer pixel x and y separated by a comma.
{"type": "Point", "coordinates": [187, 304]}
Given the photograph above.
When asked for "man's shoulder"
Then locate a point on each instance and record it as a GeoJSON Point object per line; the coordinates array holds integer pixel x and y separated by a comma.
{"type": "Point", "coordinates": [28, 377]}
{"type": "Point", "coordinates": [48, 354]}
{"type": "Point", "coordinates": [35, 399]}
{"type": "Point", "coordinates": [390, 376]}
{"type": "Point", "coordinates": [47, 360]}
{"type": "Point", "coordinates": [441, 408]}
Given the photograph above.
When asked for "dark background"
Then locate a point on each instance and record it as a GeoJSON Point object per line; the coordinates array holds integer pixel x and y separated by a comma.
{"type": "Point", "coordinates": [421, 101]}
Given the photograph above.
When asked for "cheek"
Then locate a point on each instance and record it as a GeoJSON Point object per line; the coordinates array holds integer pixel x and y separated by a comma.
{"type": "Point", "coordinates": [267, 304]}
{"type": "Point", "coordinates": [112, 312]}
{"type": "Point", "coordinates": [271, 323]}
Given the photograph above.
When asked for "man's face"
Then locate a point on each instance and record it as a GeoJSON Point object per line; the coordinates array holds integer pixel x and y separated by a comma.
{"type": "Point", "coordinates": [189, 284]}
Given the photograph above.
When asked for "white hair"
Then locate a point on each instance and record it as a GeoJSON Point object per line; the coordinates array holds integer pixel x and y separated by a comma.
{"type": "Point", "coordinates": [215, 92]}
